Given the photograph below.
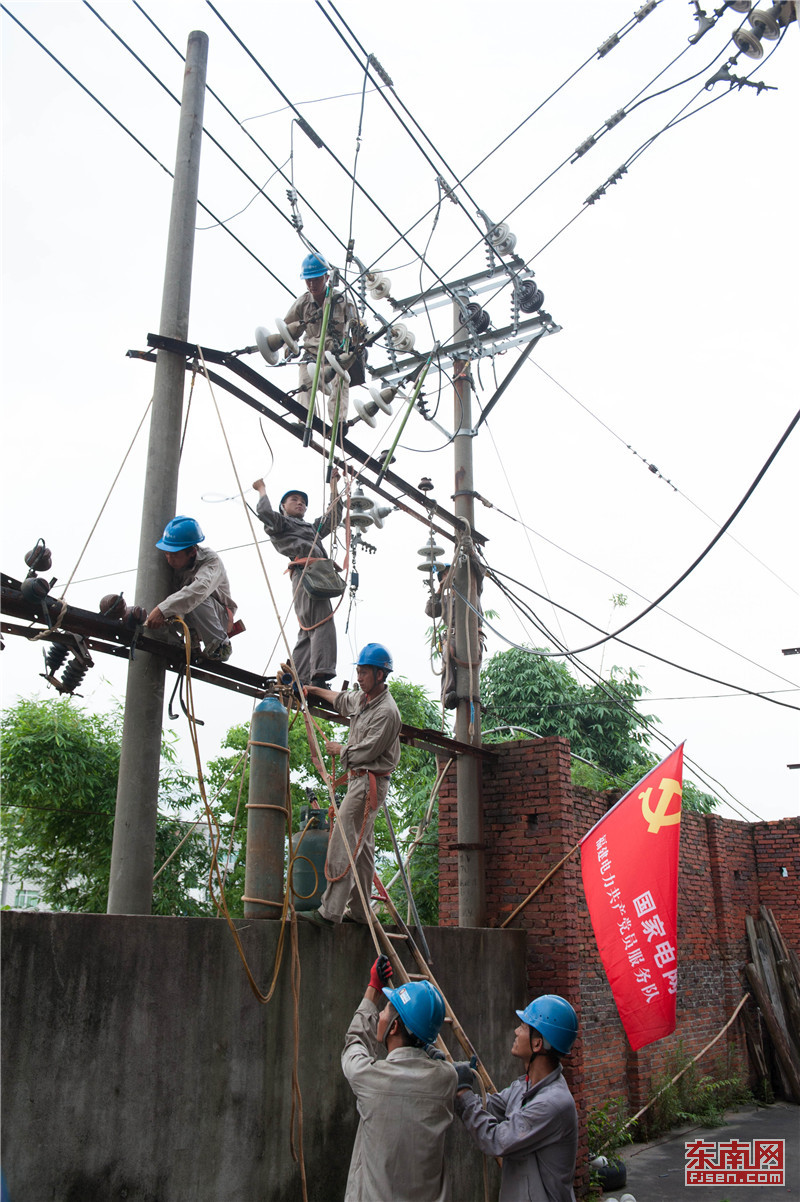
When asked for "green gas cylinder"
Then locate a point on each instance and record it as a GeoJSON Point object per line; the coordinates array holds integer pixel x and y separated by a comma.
{"type": "Point", "coordinates": [308, 871]}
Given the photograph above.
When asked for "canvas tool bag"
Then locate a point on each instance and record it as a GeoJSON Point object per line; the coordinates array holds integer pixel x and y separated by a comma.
{"type": "Point", "coordinates": [321, 578]}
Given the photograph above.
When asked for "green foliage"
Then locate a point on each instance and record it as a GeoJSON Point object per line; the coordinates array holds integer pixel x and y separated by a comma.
{"type": "Point", "coordinates": [411, 787]}
{"type": "Point", "coordinates": [412, 782]}
{"type": "Point", "coordinates": [227, 784]}
{"type": "Point", "coordinates": [695, 1097]}
{"type": "Point", "coordinates": [59, 781]}
{"type": "Point", "coordinates": [692, 800]}
{"type": "Point", "coordinates": [605, 1128]}
{"type": "Point", "coordinates": [525, 690]}
{"type": "Point", "coordinates": [531, 691]}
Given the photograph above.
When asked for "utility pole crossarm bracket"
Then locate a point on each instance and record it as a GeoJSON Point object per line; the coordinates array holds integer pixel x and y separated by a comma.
{"type": "Point", "coordinates": [353, 451]}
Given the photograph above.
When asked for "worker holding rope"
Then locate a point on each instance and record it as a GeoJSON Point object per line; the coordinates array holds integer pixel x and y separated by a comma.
{"type": "Point", "coordinates": [314, 654]}
{"type": "Point", "coordinates": [306, 317]}
{"type": "Point", "coordinates": [370, 755]}
{"type": "Point", "coordinates": [202, 596]}
{"type": "Point", "coordinates": [405, 1102]}
{"type": "Point", "coordinates": [533, 1124]}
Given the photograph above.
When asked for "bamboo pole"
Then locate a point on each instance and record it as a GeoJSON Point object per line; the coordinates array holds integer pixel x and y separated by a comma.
{"type": "Point", "coordinates": [541, 884]}
{"type": "Point", "coordinates": [678, 1076]}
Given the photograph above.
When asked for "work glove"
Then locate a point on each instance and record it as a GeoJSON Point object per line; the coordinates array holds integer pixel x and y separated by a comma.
{"type": "Point", "coordinates": [381, 973]}
{"type": "Point", "coordinates": [434, 1052]}
{"type": "Point", "coordinates": [466, 1073]}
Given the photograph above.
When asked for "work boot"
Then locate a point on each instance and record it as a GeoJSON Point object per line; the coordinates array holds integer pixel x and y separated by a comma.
{"type": "Point", "coordinates": [220, 652]}
{"type": "Point", "coordinates": [316, 918]}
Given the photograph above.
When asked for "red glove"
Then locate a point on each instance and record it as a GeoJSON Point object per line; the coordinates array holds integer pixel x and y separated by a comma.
{"type": "Point", "coordinates": [381, 973]}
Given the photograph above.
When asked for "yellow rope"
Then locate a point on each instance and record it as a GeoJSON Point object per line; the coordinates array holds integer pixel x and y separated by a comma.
{"type": "Point", "coordinates": [326, 777]}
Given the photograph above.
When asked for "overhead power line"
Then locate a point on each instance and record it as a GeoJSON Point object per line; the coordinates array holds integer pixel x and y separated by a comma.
{"type": "Point", "coordinates": [655, 471]}
{"type": "Point", "coordinates": [138, 141]}
{"type": "Point", "coordinates": [325, 146]}
{"type": "Point", "coordinates": [627, 707]}
{"type": "Point", "coordinates": [654, 604]}
{"type": "Point", "coordinates": [247, 134]}
{"type": "Point", "coordinates": [494, 574]}
{"type": "Point", "coordinates": [630, 589]}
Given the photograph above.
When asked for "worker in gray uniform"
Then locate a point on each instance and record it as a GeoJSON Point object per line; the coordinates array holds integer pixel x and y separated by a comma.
{"type": "Point", "coordinates": [370, 755]}
{"type": "Point", "coordinates": [533, 1124]}
{"type": "Point", "coordinates": [203, 596]}
{"type": "Point", "coordinates": [307, 311]}
{"type": "Point", "coordinates": [405, 1101]}
{"type": "Point", "coordinates": [291, 535]}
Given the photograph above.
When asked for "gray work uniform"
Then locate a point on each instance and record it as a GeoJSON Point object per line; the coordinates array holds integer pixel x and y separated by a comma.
{"type": "Point", "coordinates": [314, 654]}
{"type": "Point", "coordinates": [373, 746]}
{"type": "Point", "coordinates": [308, 313]}
{"type": "Point", "coordinates": [405, 1104]}
{"type": "Point", "coordinates": [535, 1130]}
{"type": "Point", "coordinates": [442, 605]}
{"type": "Point", "coordinates": [203, 598]}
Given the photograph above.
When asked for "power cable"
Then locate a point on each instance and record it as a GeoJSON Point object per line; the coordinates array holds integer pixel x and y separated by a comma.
{"type": "Point", "coordinates": [387, 81]}
{"type": "Point", "coordinates": [209, 135]}
{"type": "Point", "coordinates": [138, 141]}
{"type": "Point", "coordinates": [246, 132]}
{"type": "Point", "coordinates": [493, 573]}
{"type": "Point", "coordinates": [630, 589]}
{"type": "Point", "coordinates": [649, 726]}
{"type": "Point", "coordinates": [623, 169]}
{"type": "Point", "coordinates": [512, 274]}
{"type": "Point", "coordinates": [610, 42]}
{"type": "Point", "coordinates": [323, 144]}
{"type": "Point", "coordinates": [622, 703]}
{"type": "Point", "coordinates": [655, 471]}
{"type": "Point", "coordinates": [654, 604]}
{"type": "Point", "coordinates": [255, 142]}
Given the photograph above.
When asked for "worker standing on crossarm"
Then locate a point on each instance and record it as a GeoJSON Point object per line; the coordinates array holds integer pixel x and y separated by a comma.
{"type": "Point", "coordinates": [203, 596]}
{"type": "Point", "coordinates": [308, 311]}
{"type": "Point", "coordinates": [405, 1102]}
{"type": "Point", "coordinates": [314, 653]}
{"type": "Point", "coordinates": [533, 1124]}
{"type": "Point", "coordinates": [369, 757]}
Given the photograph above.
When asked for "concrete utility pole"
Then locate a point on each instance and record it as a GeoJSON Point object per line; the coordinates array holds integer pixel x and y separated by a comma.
{"type": "Point", "coordinates": [131, 883]}
{"type": "Point", "coordinates": [471, 870]}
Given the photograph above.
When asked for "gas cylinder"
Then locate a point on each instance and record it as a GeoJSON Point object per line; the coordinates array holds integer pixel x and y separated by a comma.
{"type": "Point", "coordinates": [308, 873]}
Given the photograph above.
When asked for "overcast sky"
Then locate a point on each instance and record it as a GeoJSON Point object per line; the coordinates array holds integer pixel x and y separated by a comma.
{"type": "Point", "coordinates": [623, 444]}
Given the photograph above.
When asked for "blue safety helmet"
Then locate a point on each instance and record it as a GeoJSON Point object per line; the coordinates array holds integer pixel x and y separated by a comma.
{"type": "Point", "coordinates": [420, 1007]}
{"type": "Point", "coordinates": [294, 492]}
{"type": "Point", "coordinates": [313, 267]}
{"type": "Point", "coordinates": [180, 533]}
{"type": "Point", "coordinates": [554, 1019]}
{"type": "Point", "coordinates": [375, 655]}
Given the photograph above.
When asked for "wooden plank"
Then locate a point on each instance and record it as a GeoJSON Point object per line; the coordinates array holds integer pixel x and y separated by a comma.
{"type": "Point", "coordinates": [752, 941]}
{"type": "Point", "coordinates": [788, 1062]}
{"type": "Point", "coordinates": [791, 1002]}
{"type": "Point", "coordinates": [755, 1044]}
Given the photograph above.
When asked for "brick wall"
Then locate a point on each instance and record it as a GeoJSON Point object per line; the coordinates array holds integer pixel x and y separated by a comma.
{"type": "Point", "coordinates": [532, 818]}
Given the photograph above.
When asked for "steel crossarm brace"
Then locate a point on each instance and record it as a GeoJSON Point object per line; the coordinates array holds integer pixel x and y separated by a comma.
{"type": "Point", "coordinates": [109, 637]}
{"type": "Point", "coordinates": [428, 740]}
{"type": "Point", "coordinates": [463, 346]}
{"type": "Point", "coordinates": [234, 364]}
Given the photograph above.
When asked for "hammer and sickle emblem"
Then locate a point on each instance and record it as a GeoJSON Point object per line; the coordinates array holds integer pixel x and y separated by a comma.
{"type": "Point", "coordinates": [658, 818]}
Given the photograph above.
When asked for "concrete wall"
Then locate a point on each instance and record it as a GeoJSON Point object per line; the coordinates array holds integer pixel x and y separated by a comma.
{"type": "Point", "coordinates": [138, 1064]}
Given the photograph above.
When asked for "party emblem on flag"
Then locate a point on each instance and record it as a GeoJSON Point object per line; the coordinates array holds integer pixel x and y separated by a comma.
{"type": "Point", "coordinates": [629, 864]}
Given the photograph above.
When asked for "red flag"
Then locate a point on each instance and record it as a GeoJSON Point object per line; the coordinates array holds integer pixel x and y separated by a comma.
{"type": "Point", "coordinates": [629, 864]}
